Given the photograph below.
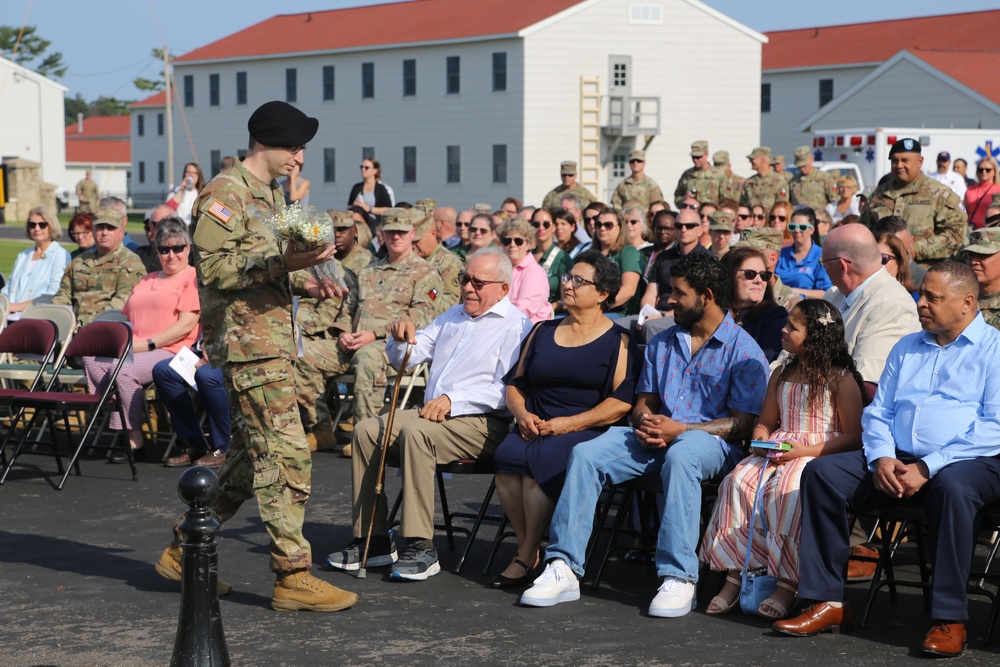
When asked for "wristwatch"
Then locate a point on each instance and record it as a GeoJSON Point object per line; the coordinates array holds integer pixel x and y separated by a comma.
{"type": "Point", "coordinates": [151, 344]}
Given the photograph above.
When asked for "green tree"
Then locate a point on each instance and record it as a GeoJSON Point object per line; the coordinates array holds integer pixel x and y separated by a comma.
{"type": "Point", "coordinates": [109, 106]}
{"type": "Point", "coordinates": [32, 51]}
{"type": "Point", "coordinates": [152, 85]}
{"type": "Point", "coordinates": [75, 105]}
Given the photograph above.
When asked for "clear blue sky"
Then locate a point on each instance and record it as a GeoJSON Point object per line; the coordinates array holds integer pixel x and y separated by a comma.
{"type": "Point", "coordinates": [107, 43]}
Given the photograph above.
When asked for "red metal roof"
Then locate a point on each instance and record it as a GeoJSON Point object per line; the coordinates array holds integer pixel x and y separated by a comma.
{"type": "Point", "coordinates": [95, 151]}
{"type": "Point", "coordinates": [380, 25]}
{"type": "Point", "coordinates": [155, 100]}
{"type": "Point", "coordinates": [877, 42]}
{"type": "Point", "coordinates": [101, 126]}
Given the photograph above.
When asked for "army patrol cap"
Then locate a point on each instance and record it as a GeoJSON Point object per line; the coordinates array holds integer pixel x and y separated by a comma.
{"type": "Point", "coordinates": [905, 146]}
{"type": "Point", "coordinates": [637, 155]}
{"type": "Point", "coordinates": [280, 124]}
{"type": "Point", "coordinates": [428, 206]}
{"type": "Point", "coordinates": [761, 238]}
{"type": "Point", "coordinates": [422, 223]}
{"type": "Point", "coordinates": [482, 208]}
{"type": "Point", "coordinates": [567, 168]}
{"type": "Point", "coordinates": [108, 215]}
{"type": "Point", "coordinates": [720, 158]}
{"type": "Point", "coordinates": [341, 219]}
{"type": "Point", "coordinates": [984, 241]}
{"type": "Point", "coordinates": [778, 159]}
{"type": "Point", "coordinates": [760, 150]}
{"type": "Point", "coordinates": [721, 221]}
{"type": "Point", "coordinates": [699, 148]}
{"type": "Point", "coordinates": [397, 220]}
{"type": "Point", "coordinates": [802, 155]}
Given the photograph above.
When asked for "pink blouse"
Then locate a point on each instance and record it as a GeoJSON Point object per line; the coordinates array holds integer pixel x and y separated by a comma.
{"type": "Point", "coordinates": [977, 200]}
{"type": "Point", "coordinates": [529, 290]}
{"type": "Point", "coordinates": [156, 303]}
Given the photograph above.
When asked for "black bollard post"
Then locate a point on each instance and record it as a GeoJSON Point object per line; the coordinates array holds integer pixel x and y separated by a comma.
{"type": "Point", "coordinates": [200, 641]}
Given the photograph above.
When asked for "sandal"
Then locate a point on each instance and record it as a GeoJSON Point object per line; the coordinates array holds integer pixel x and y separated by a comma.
{"type": "Point", "coordinates": [722, 605]}
{"type": "Point", "coordinates": [774, 610]}
{"type": "Point", "coordinates": [501, 581]}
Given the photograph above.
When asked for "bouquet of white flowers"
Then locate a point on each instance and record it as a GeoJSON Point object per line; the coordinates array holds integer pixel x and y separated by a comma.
{"type": "Point", "coordinates": [307, 228]}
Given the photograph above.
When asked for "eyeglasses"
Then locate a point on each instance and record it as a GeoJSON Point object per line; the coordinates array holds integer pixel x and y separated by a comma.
{"type": "Point", "coordinates": [636, 161]}
{"type": "Point", "coordinates": [365, 167]}
{"type": "Point", "coordinates": [590, 218]}
{"type": "Point", "coordinates": [693, 207]}
{"type": "Point", "coordinates": [39, 225]}
{"type": "Point", "coordinates": [799, 227]}
{"type": "Point", "coordinates": [167, 249]}
{"type": "Point", "coordinates": [886, 258]}
{"type": "Point", "coordinates": [634, 222]}
{"type": "Point", "coordinates": [743, 217]}
{"type": "Point", "coordinates": [462, 224]}
{"type": "Point", "coordinates": [516, 240]}
{"type": "Point", "coordinates": [604, 225]}
{"type": "Point", "coordinates": [686, 225]}
{"type": "Point", "coordinates": [291, 149]}
{"type": "Point", "coordinates": [984, 170]}
{"type": "Point", "coordinates": [81, 232]}
{"type": "Point", "coordinates": [751, 274]}
{"type": "Point", "coordinates": [758, 216]}
{"type": "Point", "coordinates": [779, 218]}
{"type": "Point", "coordinates": [578, 281]}
{"type": "Point", "coordinates": [482, 231]}
{"type": "Point", "coordinates": [477, 283]}
{"type": "Point", "coordinates": [545, 224]}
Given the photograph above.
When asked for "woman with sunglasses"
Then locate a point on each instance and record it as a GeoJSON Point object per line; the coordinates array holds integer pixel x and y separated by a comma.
{"type": "Point", "coordinates": [164, 311]}
{"type": "Point", "coordinates": [609, 240]}
{"type": "Point", "coordinates": [847, 187]}
{"type": "Point", "coordinates": [758, 215]}
{"type": "Point", "coordinates": [777, 218]}
{"type": "Point", "coordinates": [799, 265]}
{"type": "Point", "coordinates": [38, 270]}
{"type": "Point", "coordinates": [371, 194]}
{"type": "Point", "coordinates": [753, 306]}
{"type": "Point", "coordinates": [547, 252]}
{"type": "Point", "coordinates": [896, 261]}
{"type": "Point", "coordinates": [979, 196]}
{"type": "Point", "coordinates": [481, 232]}
{"type": "Point", "coordinates": [529, 288]}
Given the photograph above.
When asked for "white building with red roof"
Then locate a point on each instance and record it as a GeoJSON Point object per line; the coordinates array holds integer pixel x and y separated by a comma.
{"type": "Point", "coordinates": [934, 72]}
{"type": "Point", "coordinates": [148, 131]}
{"type": "Point", "coordinates": [474, 101]}
{"type": "Point", "coordinates": [101, 145]}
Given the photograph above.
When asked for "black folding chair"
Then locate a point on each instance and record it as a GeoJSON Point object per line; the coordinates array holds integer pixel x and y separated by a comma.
{"type": "Point", "coordinates": [37, 340]}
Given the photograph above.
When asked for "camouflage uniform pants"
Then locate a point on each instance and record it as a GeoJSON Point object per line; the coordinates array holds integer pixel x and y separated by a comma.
{"type": "Point", "coordinates": [322, 360]}
{"type": "Point", "coordinates": [277, 466]}
{"type": "Point", "coordinates": [370, 381]}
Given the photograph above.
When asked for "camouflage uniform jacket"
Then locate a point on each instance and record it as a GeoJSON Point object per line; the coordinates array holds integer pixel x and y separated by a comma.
{"type": "Point", "coordinates": [246, 304]}
{"type": "Point", "coordinates": [93, 284]}
{"type": "Point", "coordinates": [989, 306]}
{"type": "Point", "coordinates": [644, 191]}
{"type": "Point", "coordinates": [815, 190]}
{"type": "Point", "coordinates": [448, 265]}
{"type": "Point", "coordinates": [358, 259]}
{"type": "Point", "coordinates": [764, 190]}
{"type": "Point", "coordinates": [555, 194]}
{"type": "Point", "coordinates": [327, 318]}
{"type": "Point", "coordinates": [88, 196]}
{"type": "Point", "coordinates": [932, 211]}
{"type": "Point", "coordinates": [731, 187]}
{"type": "Point", "coordinates": [409, 288]}
{"type": "Point", "coordinates": [784, 295]}
{"type": "Point", "coordinates": [707, 183]}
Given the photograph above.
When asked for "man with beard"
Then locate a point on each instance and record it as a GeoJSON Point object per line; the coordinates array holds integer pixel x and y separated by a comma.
{"type": "Point", "coordinates": [699, 394]}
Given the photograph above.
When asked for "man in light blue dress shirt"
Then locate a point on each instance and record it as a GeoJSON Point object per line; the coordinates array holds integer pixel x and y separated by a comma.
{"type": "Point", "coordinates": [932, 432]}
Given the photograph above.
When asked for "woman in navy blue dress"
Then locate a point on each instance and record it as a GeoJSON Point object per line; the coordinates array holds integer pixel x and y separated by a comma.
{"type": "Point", "coordinates": [575, 377]}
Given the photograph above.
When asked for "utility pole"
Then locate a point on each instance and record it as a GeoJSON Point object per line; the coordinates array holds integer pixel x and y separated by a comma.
{"type": "Point", "coordinates": [168, 76]}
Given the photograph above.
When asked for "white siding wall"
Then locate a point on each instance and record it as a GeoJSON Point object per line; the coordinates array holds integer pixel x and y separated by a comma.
{"type": "Point", "coordinates": [32, 119]}
{"type": "Point", "coordinates": [474, 119]}
{"type": "Point", "coordinates": [111, 179]}
{"type": "Point", "coordinates": [707, 74]}
{"type": "Point", "coordinates": [795, 97]}
{"type": "Point", "coordinates": [151, 149]}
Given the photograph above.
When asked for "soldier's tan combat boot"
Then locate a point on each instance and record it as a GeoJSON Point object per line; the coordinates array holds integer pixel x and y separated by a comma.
{"type": "Point", "coordinates": [301, 591]}
{"type": "Point", "coordinates": [169, 567]}
{"type": "Point", "coordinates": [321, 437]}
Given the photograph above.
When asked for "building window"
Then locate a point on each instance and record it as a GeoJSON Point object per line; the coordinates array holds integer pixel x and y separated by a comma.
{"type": "Point", "coordinates": [328, 80]}
{"type": "Point", "coordinates": [367, 152]}
{"type": "Point", "coordinates": [291, 85]}
{"type": "Point", "coordinates": [825, 91]}
{"type": "Point", "coordinates": [188, 90]}
{"type": "Point", "coordinates": [216, 160]}
{"type": "Point", "coordinates": [499, 72]}
{"type": "Point", "coordinates": [499, 163]}
{"type": "Point", "coordinates": [454, 164]}
{"type": "Point", "coordinates": [142, 172]}
{"type": "Point", "coordinates": [159, 124]}
{"type": "Point", "coordinates": [213, 90]}
{"type": "Point", "coordinates": [765, 98]}
{"type": "Point", "coordinates": [645, 14]}
{"type": "Point", "coordinates": [161, 171]}
{"type": "Point", "coordinates": [141, 127]}
{"type": "Point", "coordinates": [619, 75]}
{"type": "Point", "coordinates": [409, 78]}
{"type": "Point", "coordinates": [330, 165]}
{"type": "Point", "coordinates": [618, 163]}
{"type": "Point", "coordinates": [241, 88]}
{"type": "Point", "coordinates": [367, 81]}
{"type": "Point", "coordinates": [452, 87]}
{"type": "Point", "coordinates": [409, 164]}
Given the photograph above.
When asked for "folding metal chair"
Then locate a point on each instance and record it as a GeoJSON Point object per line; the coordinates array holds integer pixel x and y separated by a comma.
{"type": "Point", "coordinates": [65, 321]}
{"type": "Point", "coordinates": [35, 339]}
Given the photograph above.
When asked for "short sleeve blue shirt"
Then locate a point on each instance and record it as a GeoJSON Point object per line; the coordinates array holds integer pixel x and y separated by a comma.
{"type": "Point", "coordinates": [807, 274]}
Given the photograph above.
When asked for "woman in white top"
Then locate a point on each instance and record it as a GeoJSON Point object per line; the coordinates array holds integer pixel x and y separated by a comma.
{"type": "Point", "coordinates": [296, 188]}
{"type": "Point", "coordinates": [183, 197]}
{"type": "Point", "coordinates": [847, 187]}
{"type": "Point", "coordinates": [38, 270]}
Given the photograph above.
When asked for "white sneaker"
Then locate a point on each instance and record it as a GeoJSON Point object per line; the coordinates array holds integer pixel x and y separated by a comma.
{"type": "Point", "coordinates": [675, 598]}
{"type": "Point", "coordinates": [556, 584]}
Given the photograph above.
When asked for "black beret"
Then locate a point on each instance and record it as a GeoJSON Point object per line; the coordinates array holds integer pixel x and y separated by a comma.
{"type": "Point", "coordinates": [282, 125]}
{"type": "Point", "coordinates": [905, 146]}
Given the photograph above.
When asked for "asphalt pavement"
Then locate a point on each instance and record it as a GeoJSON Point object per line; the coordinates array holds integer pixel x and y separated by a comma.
{"type": "Point", "coordinates": [78, 589]}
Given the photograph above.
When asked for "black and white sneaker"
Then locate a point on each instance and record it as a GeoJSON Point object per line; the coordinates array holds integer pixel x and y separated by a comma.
{"type": "Point", "coordinates": [382, 552]}
{"type": "Point", "coordinates": [418, 561]}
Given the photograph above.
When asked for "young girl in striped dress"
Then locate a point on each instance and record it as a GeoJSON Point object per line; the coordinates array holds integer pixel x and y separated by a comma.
{"type": "Point", "coordinates": [814, 402]}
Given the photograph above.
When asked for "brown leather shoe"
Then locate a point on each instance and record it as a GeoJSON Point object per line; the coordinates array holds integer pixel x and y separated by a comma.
{"type": "Point", "coordinates": [212, 459]}
{"type": "Point", "coordinates": [861, 570]}
{"type": "Point", "coordinates": [945, 639]}
{"type": "Point", "coordinates": [820, 617]}
{"type": "Point", "coordinates": [182, 460]}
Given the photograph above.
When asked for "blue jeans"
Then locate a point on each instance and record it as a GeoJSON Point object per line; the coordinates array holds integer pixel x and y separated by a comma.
{"type": "Point", "coordinates": [616, 457]}
{"type": "Point", "coordinates": [173, 391]}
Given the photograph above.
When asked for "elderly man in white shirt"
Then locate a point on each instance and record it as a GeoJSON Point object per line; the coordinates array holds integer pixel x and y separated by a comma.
{"type": "Point", "coordinates": [471, 347]}
{"type": "Point", "coordinates": [945, 175]}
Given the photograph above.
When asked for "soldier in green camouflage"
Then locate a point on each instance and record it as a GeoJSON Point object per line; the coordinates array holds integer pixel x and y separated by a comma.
{"type": "Point", "coordinates": [101, 278]}
{"type": "Point", "coordinates": [567, 171]}
{"type": "Point", "coordinates": [768, 241]}
{"type": "Point", "coordinates": [811, 187]}
{"type": "Point", "coordinates": [349, 252]}
{"type": "Point", "coordinates": [448, 265]}
{"type": "Point", "coordinates": [778, 165]}
{"type": "Point", "coordinates": [87, 194]}
{"type": "Point", "coordinates": [932, 211]}
{"type": "Point", "coordinates": [244, 285]}
{"type": "Point", "coordinates": [702, 180]}
{"type": "Point", "coordinates": [983, 255]}
{"type": "Point", "coordinates": [637, 187]}
{"type": "Point", "coordinates": [732, 184]}
{"type": "Point", "coordinates": [766, 186]}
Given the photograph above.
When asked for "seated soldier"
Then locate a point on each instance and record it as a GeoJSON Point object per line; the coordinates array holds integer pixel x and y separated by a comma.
{"type": "Point", "coordinates": [983, 255]}
{"type": "Point", "coordinates": [426, 245]}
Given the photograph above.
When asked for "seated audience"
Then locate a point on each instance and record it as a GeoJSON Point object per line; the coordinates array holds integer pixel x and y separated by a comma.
{"type": "Point", "coordinates": [529, 288]}
{"type": "Point", "coordinates": [720, 230]}
{"type": "Point", "coordinates": [81, 230]}
{"type": "Point", "coordinates": [983, 255]}
{"type": "Point", "coordinates": [896, 225]}
{"type": "Point", "coordinates": [752, 303]}
{"type": "Point", "coordinates": [847, 204]}
{"type": "Point", "coordinates": [37, 270]}
{"type": "Point", "coordinates": [768, 242]}
{"type": "Point", "coordinates": [427, 246]}
{"type": "Point", "coordinates": [547, 252]}
{"type": "Point", "coordinates": [894, 258]}
{"type": "Point", "coordinates": [565, 232]}
{"type": "Point", "coordinates": [351, 236]}
{"type": "Point", "coordinates": [610, 241]}
{"type": "Point", "coordinates": [705, 213]}
{"type": "Point", "coordinates": [979, 196]}
{"type": "Point", "coordinates": [799, 264]}
{"type": "Point", "coordinates": [147, 253]}
{"type": "Point", "coordinates": [778, 217]}
{"type": "Point", "coordinates": [480, 233]}
{"type": "Point", "coordinates": [637, 231]}
{"type": "Point", "coordinates": [823, 226]}
{"type": "Point", "coordinates": [744, 220]}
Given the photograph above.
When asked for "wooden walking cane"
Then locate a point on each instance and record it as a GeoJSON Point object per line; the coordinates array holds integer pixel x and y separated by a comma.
{"type": "Point", "coordinates": [381, 464]}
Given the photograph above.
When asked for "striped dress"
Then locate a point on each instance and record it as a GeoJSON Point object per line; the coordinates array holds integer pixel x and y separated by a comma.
{"type": "Point", "coordinates": [776, 547]}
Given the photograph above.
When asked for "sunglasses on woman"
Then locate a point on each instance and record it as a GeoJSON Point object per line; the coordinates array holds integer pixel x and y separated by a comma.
{"type": "Point", "coordinates": [167, 249]}
{"type": "Point", "coordinates": [604, 225]}
{"type": "Point", "coordinates": [516, 240]}
{"type": "Point", "coordinates": [479, 230]}
{"type": "Point", "coordinates": [799, 227]}
{"type": "Point", "coordinates": [544, 224]}
{"type": "Point", "coordinates": [740, 216]}
{"type": "Point", "coordinates": [39, 225]}
{"type": "Point", "coordinates": [779, 218]}
{"type": "Point", "coordinates": [751, 274]}
{"type": "Point", "coordinates": [984, 170]}
{"type": "Point", "coordinates": [758, 216]}
{"type": "Point", "coordinates": [886, 258]}
{"type": "Point", "coordinates": [477, 283]}
{"type": "Point", "coordinates": [693, 207]}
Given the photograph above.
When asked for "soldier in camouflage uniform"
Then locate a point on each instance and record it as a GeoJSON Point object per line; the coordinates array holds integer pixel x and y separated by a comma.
{"type": "Point", "coordinates": [983, 255]}
{"type": "Point", "coordinates": [244, 286]}
{"type": "Point", "coordinates": [778, 165]}
{"type": "Point", "coordinates": [349, 252]}
{"type": "Point", "coordinates": [932, 211]}
{"type": "Point", "coordinates": [567, 171]}
{"type": "Point", "coordinates": [448, 265]}
{"type": "Point", "coordinates": [87, 194]}
{"type": "Point", "coordinates": [637, 187]}
{"type": "Point", "coordinates": [768, 241]}
{"type": "Point", "coordinates": [732, 184]}
{"type": "Point", "coordinates": [811, 187]}
{"type": "Point", "coordinates": [101, 278]}
{"type": "Point", "coordinates": [703, 180]}
{"type": "Point", "coordinates": [766, 186]}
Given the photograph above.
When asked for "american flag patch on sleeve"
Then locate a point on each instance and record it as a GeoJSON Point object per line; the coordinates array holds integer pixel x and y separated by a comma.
{"type": "Point", "coordinates": [219, 212]}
